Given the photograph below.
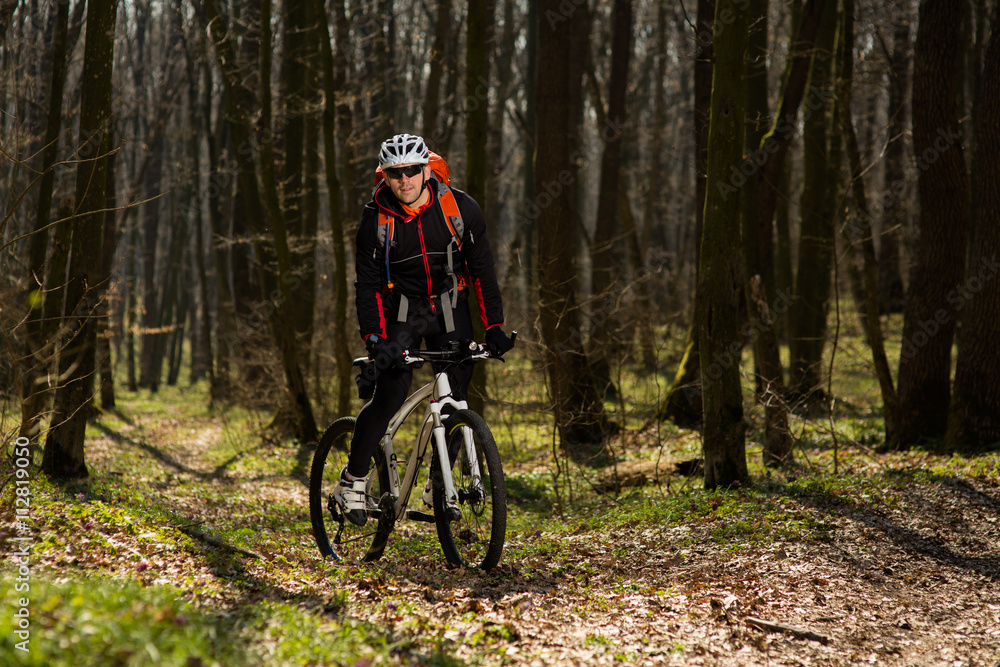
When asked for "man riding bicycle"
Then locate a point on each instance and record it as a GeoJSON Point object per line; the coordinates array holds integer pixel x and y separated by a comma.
{"type": "Point", "coordinates": [421, 247]}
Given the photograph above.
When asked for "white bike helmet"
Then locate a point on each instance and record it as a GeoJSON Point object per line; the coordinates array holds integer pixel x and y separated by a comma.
{"type": "Point", "coordinates": [403, 149]}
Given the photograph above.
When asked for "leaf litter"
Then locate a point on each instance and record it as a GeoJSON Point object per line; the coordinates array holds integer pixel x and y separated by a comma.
{"type": "Point", "coordinates": [913, 581]}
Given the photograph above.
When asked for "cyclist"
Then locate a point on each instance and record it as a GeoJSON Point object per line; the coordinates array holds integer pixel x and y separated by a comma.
{"type": "Point", "coordinates": [421, 248]}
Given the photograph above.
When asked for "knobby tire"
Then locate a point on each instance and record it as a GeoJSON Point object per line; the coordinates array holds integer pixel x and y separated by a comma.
{"type": "Point", "coordinates": [328, 460]}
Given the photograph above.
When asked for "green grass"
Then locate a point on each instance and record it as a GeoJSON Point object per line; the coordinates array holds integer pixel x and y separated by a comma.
{"type": "Point", "coordinates": [74, 621]}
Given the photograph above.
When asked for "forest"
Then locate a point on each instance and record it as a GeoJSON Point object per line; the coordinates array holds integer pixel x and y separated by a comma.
{"type": "Point", "coordinates": [749, 248]}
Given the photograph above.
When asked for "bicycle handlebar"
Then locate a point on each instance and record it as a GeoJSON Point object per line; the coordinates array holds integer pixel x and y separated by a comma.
{"type": "Point", "coordinates": [457, 351]}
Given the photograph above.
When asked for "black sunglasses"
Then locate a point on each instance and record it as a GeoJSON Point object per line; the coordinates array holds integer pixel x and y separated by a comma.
{"type": "Point", "coordinates": [409, 171]}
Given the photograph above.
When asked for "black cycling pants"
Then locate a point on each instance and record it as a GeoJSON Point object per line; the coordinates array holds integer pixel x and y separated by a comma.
{"type": "Point", "coordinates": [393, 385]}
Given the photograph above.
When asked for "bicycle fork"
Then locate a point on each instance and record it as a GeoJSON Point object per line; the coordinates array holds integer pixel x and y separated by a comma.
{"type": "Point", "coordinates": [444, 460]}
{"type": "Point", "coordinates": [452, 495]}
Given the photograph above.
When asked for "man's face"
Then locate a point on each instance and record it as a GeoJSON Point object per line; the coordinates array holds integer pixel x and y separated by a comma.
{"type": "Point", "coordinates": [408, 189]}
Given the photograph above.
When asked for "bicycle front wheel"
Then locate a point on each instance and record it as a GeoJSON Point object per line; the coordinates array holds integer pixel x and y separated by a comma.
{"type": "Point", "coordinates": [336, 536]}
{"type": "Point", "coordinates": [476, 538]}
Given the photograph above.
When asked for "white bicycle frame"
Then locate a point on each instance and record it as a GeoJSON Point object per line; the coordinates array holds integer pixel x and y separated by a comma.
{"type": "Point", "coordinates": [439, 392]}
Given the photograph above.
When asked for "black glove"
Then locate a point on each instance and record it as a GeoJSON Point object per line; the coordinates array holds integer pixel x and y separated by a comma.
{"type": "Point", "coordinates": [497, 342]}
{"type": "Point", "coordinates": [386, 355]}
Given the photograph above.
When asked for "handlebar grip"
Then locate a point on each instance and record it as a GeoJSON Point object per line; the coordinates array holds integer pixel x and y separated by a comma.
{"type": "Point", "coordinates": [513, 337]}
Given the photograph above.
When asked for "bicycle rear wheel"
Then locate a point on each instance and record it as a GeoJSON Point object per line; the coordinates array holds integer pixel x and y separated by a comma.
{"type": "Point", "coordinates": [475, 540]}
{"type": "Point", "coordinates": [336, 536]}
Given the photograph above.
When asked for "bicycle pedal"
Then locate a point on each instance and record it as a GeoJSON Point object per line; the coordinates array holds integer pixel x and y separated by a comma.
{"type": "Point", "coordinates": [453, 513]}
{"type": "Point", "coordinates": [416, 515]}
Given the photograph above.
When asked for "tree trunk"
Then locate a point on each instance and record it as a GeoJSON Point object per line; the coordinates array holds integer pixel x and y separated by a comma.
{"type": "Point", "coordinates": [332, 82]}
{"type": "Point", "coordinates": [37, 332]}
{"type": "Point", "coordinates": [683, 402]}
{"type": "Point", "coordinates": [503, 58]}
{"type": "Point", "coordinates": [527, 231]}
{"type": "Point", "coordinates": [204, 355]}
{"type": "Point", "coordinates": [720, 274]}
{"type": "Point", "coordinates": [298, 183]}
{"type": "Point", "coordinates": [774, 146]}
{"type": "Point", "coordinates": [7, 8]}
{"type": "Point", "coordinates": [817, 210]}
{"type": "Point", "coordinates": [108, 252]}
{"type": "Point", "coordinates": [894, 212]}
{"type": "Point", "coordinates": [655, 199]}
{"type": "Point", "coordinates": [974, 414]}
{"type": "Point", "coordinates": [761, 297]}
{"type": "Point", "coordinates": [170, 316]}
{"type": "Point", "coordinates": [432, 92]}
{"type": "Point", "coordinates": [859, 232]}
{"type": "Point", "coordinates": [477, 86]}
{"type": "Point", "coordinates": [64, 448]}
{"type": "Point", "coordinates": [777, 446]}
{"type": "Point", "coordinates": [783, 272]}
{"type": "Point", "coordinates": [378, 119]}
{"type": "Point", "coordinates": [225, 326]}
{"type": "Point", "coordinates": [131, 320]}
{"type": "Point", "coordinates": [608, 250]}
{"type": "Point", "coordinates": [783, 261]}
{"type": "Point", "coordinates": [641, 317]}
{"type": "Point", "coordinates": [182, 319]}
{"type": "Point", "coordinates": [579, 413]}
{"type": "Point", "coordinates": [943, 188]}
{"type": "Point", "coordinates": [151, 335]}
{"type": "Point", "coordinates": [248, 277]}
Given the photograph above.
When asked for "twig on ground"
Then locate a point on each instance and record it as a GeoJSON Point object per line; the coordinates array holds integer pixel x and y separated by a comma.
{"type": "Point", "coordinates": [215, 542]}
{"type": "Point", "coordinates": [798, 633]}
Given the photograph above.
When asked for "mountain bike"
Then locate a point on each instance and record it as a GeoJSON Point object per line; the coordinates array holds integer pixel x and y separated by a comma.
{"type": "Point", "coordinates": [465, 474]}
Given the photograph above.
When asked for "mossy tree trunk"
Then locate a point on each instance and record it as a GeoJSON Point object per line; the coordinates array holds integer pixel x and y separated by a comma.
{"type": "Point", "coordinates": [720, 273]}
{"type": "Point", "coordinates": [761, 297]}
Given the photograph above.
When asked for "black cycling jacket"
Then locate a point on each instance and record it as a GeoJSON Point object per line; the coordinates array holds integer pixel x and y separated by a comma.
{"type": "Point", "coordinates": [418, 259]}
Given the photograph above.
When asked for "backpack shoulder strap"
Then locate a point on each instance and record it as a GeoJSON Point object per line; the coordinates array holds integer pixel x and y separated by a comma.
{"type": "Point", "coordinates": [452, 215]}
{"type": "Point", "coordinates": [386, 226]}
